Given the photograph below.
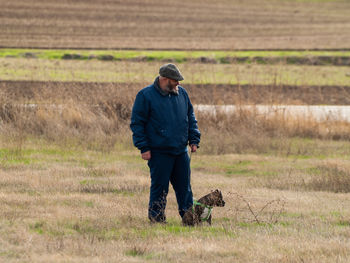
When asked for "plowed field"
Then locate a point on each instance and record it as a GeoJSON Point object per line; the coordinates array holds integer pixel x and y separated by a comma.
{"type": "Point", "coordinates": [155, 24]}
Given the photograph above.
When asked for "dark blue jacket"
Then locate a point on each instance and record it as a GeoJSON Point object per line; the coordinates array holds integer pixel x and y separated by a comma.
{"type": "Point", "coordinates": [163, 122]}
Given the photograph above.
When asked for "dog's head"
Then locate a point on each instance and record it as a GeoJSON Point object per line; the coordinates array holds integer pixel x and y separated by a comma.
{"type": "Point", "coordinates": [217, 198]}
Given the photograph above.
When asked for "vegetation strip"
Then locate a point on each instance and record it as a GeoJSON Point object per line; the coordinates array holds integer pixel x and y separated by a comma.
{"type": "Point", "coordinates": [225, 57]}
{"type": "Point", "coordinates": [200, 93]}
{"type": "Point", "coordinates": [197, 73]}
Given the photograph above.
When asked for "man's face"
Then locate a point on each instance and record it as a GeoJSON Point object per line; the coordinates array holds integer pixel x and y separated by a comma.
{"type": "Point", "coordinates": [172, 84]}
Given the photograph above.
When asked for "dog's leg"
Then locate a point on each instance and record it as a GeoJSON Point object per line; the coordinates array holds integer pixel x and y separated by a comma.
{"type": "Point", "coordinates": [209, 220]}
{"type": "Point", "coordinates": [188, 219]}
{"type": "Point", "coordinates": [196, 220]}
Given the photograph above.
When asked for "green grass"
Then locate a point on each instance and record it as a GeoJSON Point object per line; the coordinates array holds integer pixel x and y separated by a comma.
{"type": "Point", "coordinates": [178, 56]}
{"type": "Point", "coordinates": [37, 227]}
{"type": "Point", "coordinates": [39, 152]}
{"type": "Point", "coordinates": [116, 230]}
{"type": "Point", "coordinates": [89, 204]}
{"type": "Point", "coordinates": [139, 252]}
{"type": "Point", "coordinates": [145, 72]}
{"type": "Point", "coordinates": [343, 223]}
{"type": "Point", "coordinates": [26, 156]}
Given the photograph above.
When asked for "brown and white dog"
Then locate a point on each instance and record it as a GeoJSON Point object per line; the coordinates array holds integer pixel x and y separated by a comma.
{"type": "Point", "coordinates": [201, 210]}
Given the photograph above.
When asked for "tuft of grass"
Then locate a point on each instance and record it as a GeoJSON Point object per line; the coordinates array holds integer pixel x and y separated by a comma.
{"type": "Point", "coordinates": [38, 227]}
{"type": "Point", "coordinates": [137, 251]}
{"type": "Point", "coordinates": [176, 229]}
{"type": "Point", "coordinates": [343, 223]}
{"type": "Point", "coordinates": [239, 168]}
{"type": "Point", "coordinates": [332, 178]}
{"type": "Point", "coordinates": [89, 204]}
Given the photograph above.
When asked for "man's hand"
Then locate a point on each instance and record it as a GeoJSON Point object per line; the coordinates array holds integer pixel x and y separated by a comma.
{"type": "Point", "coordinates": [146, 155]}
{"type": "Point", "coordinates": [193, 148]}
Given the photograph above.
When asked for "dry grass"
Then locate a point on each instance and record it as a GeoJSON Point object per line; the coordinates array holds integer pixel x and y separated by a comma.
{"type": "Point", "coordinates": [199, 24]}
{"type": "Point", "coordinates": [330, 178]}
{"type": "Point", "coordinates": [73, 188]}
{"type": "Point", "coordinates": [217, 94]}
{"type": "Point", "coordinates": [72, 204]}
{"type": "Point", "coordinates": [67, 113]}
{"type": "Point", "coordinates": [248, 131]}
{"type": "Point", "coordinates": [98, 116]}
{"type": "Point", "coordinates": [327, 176]}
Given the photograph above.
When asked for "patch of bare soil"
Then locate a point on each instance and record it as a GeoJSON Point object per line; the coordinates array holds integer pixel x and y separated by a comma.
{"type": "Point", "coordinates": [166, 24]}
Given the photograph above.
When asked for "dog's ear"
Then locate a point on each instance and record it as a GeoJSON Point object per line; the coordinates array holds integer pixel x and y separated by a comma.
{"type": "Point", "coordinates": [217, 191]}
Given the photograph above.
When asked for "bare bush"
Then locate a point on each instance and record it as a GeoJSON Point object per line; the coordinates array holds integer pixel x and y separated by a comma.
{"type": "Point", "coordinates": [269, 212]}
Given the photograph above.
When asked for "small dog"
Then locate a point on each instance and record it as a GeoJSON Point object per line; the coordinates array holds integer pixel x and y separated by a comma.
{"type": "Point", "coordinates": [201, 210]}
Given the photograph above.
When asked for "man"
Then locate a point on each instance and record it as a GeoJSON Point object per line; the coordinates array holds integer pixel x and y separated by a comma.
{"type": "Point", "coordinates": [163, 124]}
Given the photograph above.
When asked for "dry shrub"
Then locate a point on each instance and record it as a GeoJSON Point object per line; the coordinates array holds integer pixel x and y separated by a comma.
{"type": "Point", "coordinates": [329, 177]}
{"type": "Point", "coordinates": [250, 131]}
{"type": "Point", "coordinates": [7, 113]}
{"type": "Point", "coordinates": [95, 118]}
{"type": "Point", "coordinates": [98, 117]}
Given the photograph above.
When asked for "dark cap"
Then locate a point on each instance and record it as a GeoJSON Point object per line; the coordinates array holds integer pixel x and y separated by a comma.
{"type": "Point", "coordinates": [170, 71]}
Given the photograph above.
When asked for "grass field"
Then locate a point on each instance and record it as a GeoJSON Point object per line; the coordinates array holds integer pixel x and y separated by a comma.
{"type": "Point", "coordinates": [199, 24]}
{"type": "Point", "coordinates": [74, 189]}
{"type": "Point", "coordinates": [195, 73]}
{"type": "Point", "coordinates": [75, 204]}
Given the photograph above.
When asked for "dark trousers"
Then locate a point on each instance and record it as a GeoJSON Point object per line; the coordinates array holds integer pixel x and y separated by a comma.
{"type": "Point", "coordinates": [165, 168]}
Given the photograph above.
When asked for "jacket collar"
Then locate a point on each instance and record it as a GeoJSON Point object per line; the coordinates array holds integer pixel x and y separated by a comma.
{"type": "Point", "coordinates": [163, 92]}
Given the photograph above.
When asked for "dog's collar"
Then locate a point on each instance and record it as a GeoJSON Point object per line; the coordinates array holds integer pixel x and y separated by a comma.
{"type": "Point", "coordinates": [195, 203]}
